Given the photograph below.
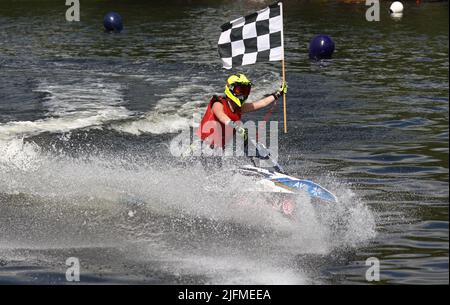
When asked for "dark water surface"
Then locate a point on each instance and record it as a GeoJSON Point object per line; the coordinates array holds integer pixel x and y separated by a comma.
{"type": "Point", "coordinates": [86, 117]}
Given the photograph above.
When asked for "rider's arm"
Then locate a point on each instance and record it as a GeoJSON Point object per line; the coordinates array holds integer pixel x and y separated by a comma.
{"type": "Point", "coordinates": [218, 112]}
{"type": "Point", "coordinates": [217, 109]}
{"type": "Point", "coordinates": [249, 107]}
{"type": "Point", "coordinates": [265, 101]}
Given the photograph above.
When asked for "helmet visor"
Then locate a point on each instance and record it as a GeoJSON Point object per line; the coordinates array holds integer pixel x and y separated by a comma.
{"type": "Point", "coordinates": [241, 90]}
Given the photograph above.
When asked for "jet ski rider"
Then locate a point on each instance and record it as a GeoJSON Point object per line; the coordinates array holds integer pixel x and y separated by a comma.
{"type": "Point", "coordinates": [225, 111]}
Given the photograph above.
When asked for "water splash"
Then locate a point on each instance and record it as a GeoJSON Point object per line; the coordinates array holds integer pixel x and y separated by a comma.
{"type": "Point", "coordinates": [171, 213]}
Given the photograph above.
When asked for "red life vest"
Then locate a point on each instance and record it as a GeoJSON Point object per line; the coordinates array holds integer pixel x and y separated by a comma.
{"type": "Point", "coordinates": [211, 129]}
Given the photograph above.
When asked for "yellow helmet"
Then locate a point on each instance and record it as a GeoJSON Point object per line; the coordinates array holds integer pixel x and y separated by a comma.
{"type": "Point", "coordinates": [238, 88]}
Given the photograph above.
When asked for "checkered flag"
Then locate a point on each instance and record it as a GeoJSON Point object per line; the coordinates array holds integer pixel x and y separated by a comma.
{"type": "Point", "coordinates": [256, 37]}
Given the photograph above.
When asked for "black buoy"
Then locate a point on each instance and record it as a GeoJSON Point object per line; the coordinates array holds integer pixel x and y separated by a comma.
{"type": "Point", "coordinates": [321, 47]}
{"type": "Point", "coordinates": [113, 22]}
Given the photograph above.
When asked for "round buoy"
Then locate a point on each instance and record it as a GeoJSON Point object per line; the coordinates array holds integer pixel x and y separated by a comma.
{"type": "Point", "coordinates": [396, 7]}
{"type": "Point", "coordinates": [321, 47]}
{"type": "Point", "coordinates": [112, 22]}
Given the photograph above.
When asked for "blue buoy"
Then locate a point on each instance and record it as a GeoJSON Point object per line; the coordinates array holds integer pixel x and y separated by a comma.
{"type": "Point", "coordinates": [112, 22]}
{"type": "Point", "coordinates": [321, 47]}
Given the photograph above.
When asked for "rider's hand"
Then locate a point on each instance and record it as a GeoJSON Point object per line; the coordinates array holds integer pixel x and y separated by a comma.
{"type": "Point", "coordinates": [282, 90]}
{"type": "Point", "coordinates": [241, 131]}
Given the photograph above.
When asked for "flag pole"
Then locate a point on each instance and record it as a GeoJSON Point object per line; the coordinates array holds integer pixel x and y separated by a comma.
{"type": "Point", "coordinates": [283, 70]}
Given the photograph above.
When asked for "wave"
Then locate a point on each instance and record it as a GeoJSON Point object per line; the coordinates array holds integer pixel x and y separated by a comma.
{"type": "Point", "coordinates": [184, 106]}
{"type": "Point", "coordinates": [96, 103]}
{"type": "Point", "coordinates": [91, 103]}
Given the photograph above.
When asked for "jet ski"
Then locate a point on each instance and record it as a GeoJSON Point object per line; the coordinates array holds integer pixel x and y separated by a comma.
{"type": "Point", "coordinates": [290, 184]}
{"type": "Point", "coordinates": [281, 188]}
